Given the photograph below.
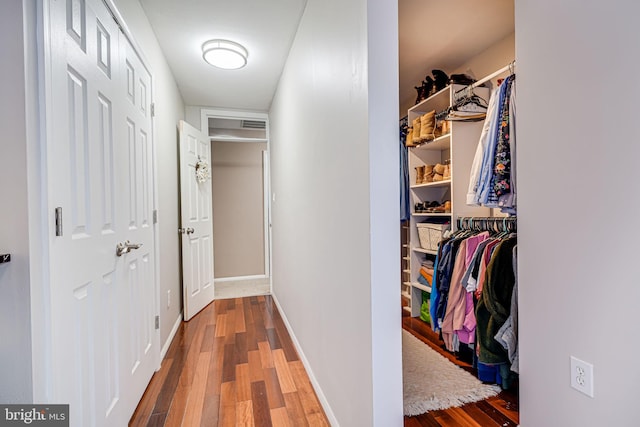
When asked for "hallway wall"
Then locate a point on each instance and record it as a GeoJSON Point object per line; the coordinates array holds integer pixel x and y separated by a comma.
{"type": "Point", "coordinates": [578, 175]}
{"type": "Point", "coordinates": [335, 206]}
{"type": "Point", "coordinates": [15, 303]}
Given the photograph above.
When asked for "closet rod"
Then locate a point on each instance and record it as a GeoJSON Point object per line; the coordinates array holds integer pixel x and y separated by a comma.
{"type": "Point", "coordinates": [510, 67]}
{"type": "Point", "coordinates": [476, 222]}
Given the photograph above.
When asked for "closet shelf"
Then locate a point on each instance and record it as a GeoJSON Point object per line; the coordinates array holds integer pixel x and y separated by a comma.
{"type": "Point", "coordinates": [426, 214]}
{"type": "Point", "coordinates": [407, 308]}
{"type": "Point", "coordinates": [424, 251]}
{"type": "Point", "coordinates": [406, 283]}
{"type": "Point", "coordinates": [444, 183]}
{"type": "Point", "coordinates": [406, 295]}
{"type": "Point", "coordinates": [406, 271]}
{"type": "Point", "coordinates": [406, 258]}
{"type": "Point", "coordinates": [421, 286]}
{"type": "Point", "coordinates": [438, 101]}
{"type": "Point", "coordinates": [440, 143]}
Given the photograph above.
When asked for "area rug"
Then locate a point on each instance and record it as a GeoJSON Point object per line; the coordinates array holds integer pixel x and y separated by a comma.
{"type": "Point", "coordinates": [432, 382]}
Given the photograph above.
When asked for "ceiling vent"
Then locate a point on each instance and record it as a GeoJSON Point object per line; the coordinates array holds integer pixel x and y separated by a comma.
{"type": "Point", "coordinates": [253, 124]}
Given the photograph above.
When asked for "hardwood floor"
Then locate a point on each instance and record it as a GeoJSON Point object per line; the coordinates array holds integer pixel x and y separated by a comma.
{"type": "Point", "coordinates": [501, 410]}
{"type": "Point", "coordinates": [233, 364]}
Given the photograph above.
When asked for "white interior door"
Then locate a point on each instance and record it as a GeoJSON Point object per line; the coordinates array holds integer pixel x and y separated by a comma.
{"type": "Point", "coordinates": [136, 266]}
{"type": "Point", "coordinates": [103, 341]}
{"type": "Point", "coordinates": [196, 222]}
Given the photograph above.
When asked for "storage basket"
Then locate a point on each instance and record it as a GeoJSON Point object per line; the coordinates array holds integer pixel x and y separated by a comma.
{"type": "Point", "coordinates": [430, 235]}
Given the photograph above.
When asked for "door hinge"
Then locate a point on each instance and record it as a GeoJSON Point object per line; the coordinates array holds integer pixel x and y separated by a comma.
{"type": "Point", "coordinates": [155, 216]}
{"type": "Point", "coordinates": [58, 216]}
{"type": "Point", "coordinates": [157, 322]}
{"type": "Point", "coordinates": [153, 109]}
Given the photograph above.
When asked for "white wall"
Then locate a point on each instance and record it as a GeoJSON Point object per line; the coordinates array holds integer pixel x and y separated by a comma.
{"type": "Point", "coordinates": [335, 216]}
{"type": "Point", "coordinates": [491, 59]}
{"type": "Point", "coordinates": [169, 109]}
{"type": "Point", "coordinates": [578, 135]}
{"type": "Point", "coordinates": [237, 184]}
{"type": "Point", "coordinates": [15, 311]}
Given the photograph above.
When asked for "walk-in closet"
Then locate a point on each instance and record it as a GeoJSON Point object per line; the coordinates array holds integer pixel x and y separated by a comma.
{"type": "Point", "coordinates": [458, 251]}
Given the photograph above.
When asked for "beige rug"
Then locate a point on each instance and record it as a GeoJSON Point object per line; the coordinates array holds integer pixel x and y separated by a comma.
{"type": "Point", "coordinates": [432, 382]}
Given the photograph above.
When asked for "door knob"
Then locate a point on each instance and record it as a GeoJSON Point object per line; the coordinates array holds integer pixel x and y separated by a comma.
{"type": "Point", "coordinates": [190, 230]}
{"type": "Point", "coordinates": [126, 247]}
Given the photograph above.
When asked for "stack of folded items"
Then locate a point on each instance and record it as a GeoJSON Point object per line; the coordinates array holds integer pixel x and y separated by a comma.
{"type": "Point", "coordinates": [426, 273]}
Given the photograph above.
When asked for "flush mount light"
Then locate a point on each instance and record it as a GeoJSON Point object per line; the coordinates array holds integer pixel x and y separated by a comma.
{"type": "Point", "coordinates": [224, 54]}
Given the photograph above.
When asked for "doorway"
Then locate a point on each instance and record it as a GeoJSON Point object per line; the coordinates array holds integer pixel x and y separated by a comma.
{"type": "Point", "coordinates": [240, 198]}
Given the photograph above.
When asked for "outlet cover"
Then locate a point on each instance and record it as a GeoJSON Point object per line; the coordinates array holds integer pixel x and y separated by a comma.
{"type": "Point", "coordinates": [582, 376]}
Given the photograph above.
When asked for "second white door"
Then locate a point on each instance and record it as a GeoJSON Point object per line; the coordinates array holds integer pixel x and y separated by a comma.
{"type": "Point", "coordinates": [196, 220]}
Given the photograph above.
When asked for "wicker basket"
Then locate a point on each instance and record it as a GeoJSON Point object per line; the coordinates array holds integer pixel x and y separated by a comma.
{"type": "Point", "coordinates": [430, 235]}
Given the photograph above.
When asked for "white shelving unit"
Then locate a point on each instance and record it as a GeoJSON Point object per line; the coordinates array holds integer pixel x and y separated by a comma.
{"type": "Point", "coordinates": [405, 273]}
{"type": "Point", "coordinates": [458, 146]}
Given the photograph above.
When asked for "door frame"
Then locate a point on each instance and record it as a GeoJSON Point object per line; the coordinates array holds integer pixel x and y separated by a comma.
{"type": "Point", "coordinates": [38, 104]}
{"type": "Point", "coordinates": [205, 115]}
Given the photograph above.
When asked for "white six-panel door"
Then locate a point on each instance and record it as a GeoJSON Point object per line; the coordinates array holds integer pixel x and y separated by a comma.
{"type": "Point", "coordinates": [196, 222]}
{"type": "Point", "coordinates": [99, 169]}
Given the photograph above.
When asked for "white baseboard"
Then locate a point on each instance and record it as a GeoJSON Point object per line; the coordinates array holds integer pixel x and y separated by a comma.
{"type": "Point", "coordinates": [240, 278]}
{"type": "Point", "coordinates": [172, 334]}
{"type": "Point", "coordinates": [314, 382]}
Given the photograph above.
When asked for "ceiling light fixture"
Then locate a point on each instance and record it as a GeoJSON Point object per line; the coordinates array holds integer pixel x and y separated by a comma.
{"type": "Point", "coordinates": [225, 54]}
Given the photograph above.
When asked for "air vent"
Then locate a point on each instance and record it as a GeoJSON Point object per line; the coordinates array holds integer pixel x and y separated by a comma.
{"type": "Point", "coordinates": [253, 124]}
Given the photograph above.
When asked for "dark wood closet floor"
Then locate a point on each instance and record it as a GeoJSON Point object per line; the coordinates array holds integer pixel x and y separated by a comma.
{"type": "Point", "coordinates": [501, 410]}
{"type": "Point", "coordinates": [233, 364]}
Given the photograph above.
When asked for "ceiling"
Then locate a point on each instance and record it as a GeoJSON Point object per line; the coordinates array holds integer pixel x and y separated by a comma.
{"type": "Point", "coordinates": [435, 34]}
{"type": "Point", "coordinates": [265, 28]}
{"type": "Point", "coordinates": [432, 34]}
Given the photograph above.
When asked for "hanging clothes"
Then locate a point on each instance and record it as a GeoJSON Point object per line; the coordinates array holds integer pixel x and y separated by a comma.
{"type": "Point", "coordinates": [507, 335]}
{"type": "Point", "coordinates": [492, 179]}
{"type": "Point", "coordinates": [508, 201]}
{"type": "Point", "coordinates": [405, 211]}
{"type": "Point", "coordinates": [472, 303]}
{"type": "Point", "coordinates": [460, 308]}
{"type": "Point", "coordinates": [494, 304]}
{"type": "Point", "coordinates": [488, 129]}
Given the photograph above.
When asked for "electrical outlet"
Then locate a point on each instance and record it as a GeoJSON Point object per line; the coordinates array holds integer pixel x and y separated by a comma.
{"type": "Point", "coordinates": [168, 298]}
{"type": "Point", "coordinates": [582, 376]}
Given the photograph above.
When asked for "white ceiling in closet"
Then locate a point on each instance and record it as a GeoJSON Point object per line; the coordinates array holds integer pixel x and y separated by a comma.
{"type": "Point", "coordinates": [444, 35]}
{"type": "Point", "coordinates": [433, 34]}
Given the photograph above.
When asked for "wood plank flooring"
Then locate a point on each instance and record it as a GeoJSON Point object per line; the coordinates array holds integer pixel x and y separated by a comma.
{"type": "Point", "coordinates": [233, 364]}
{"type": "Point", "coordinates": [501, 410]}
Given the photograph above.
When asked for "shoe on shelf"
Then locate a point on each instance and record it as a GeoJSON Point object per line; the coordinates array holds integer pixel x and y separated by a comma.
{"type": "Point", "coordinates": [419, 175]}
{"type": "Point", "coordinates": [441, 80]}
{"type": "Point", "coordinates": [416, 130]}
{"type": "Point", "coordinates": [428, 174]}
{"type": "Point", "coordinates": [409, 139]}
{"type": "Point", "coordinates": [427, 126]}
